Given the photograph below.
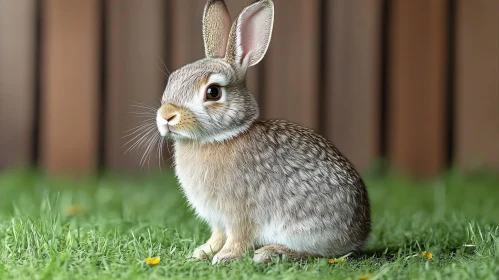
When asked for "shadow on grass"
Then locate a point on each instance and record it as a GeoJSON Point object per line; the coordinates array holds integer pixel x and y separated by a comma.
{"type": "Point", "coordinates": [388, 253]}
{"type": "Point", "coordinates": [394, 253]}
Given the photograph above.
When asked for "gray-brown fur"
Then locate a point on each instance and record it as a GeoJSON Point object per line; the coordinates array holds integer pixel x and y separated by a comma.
{"type": "Point", "coordinates": [216, 26]}
{"type": "Point", "coordinates": [289, 176]}
{"type": "Point", "coordinates": [265, 253]}
{"type": "Point", "coordinates": [270, 185]}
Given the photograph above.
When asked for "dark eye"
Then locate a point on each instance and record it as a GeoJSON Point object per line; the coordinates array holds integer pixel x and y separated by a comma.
{"type": "Point", "coordinates": [213, 93]}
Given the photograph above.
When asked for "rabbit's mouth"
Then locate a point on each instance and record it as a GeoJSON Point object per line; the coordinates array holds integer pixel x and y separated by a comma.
{"type": "Point", "coordinates": [171, 130]}
{"type": "Point", "coordinates": [166, 130]}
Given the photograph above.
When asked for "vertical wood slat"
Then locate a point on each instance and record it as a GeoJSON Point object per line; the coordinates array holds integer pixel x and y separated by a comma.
{"type": "Point", "coordinates": [417, 86]}
{"type": "Point", "coordinates": [17, 62]}
{"type": "Point", "coordinates": [186, 38]}
{"type": "Point", "coordinates": [70, 85]}
{"type": "Point", "coordinates": [292, 64]}
{"type": "Point", "coordinates": [352, 80]}
{"type": "Point", "coordinates": [477, 84]}
{"type": "Point", "coordinates": [135, 48]}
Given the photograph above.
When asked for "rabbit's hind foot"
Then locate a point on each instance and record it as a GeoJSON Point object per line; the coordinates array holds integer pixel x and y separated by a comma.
{"type": "Point", "coordinates": [265, 254]}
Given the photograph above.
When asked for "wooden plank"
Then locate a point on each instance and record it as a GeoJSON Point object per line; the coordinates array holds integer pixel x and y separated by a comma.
{"type": "Point", "coordinates": [291, 89]}
{"type": "Point", "coordinates": [477, 84]}
{"type": "Point", "coordinates": [135, 47]}
{"type": "Point", "coordinates": [70, 85]}
{"type": "Point", "coordinates": [187, 37]}
{"type": "Point", "coordinates": [17, 62]}
{"type": "Point", "coordinates": [352, 79]}
{"type": "Point", "coordinates": [417, 86]}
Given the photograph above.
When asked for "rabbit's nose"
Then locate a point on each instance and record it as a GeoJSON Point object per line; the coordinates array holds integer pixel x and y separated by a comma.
{"type": "Point", "coordinates": [170, 114]}
{"type": "Point", "coordinates": [173, 118]}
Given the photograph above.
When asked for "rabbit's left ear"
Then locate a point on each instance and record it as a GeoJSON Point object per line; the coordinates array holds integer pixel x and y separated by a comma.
{"type": "Point", "coordinates": [250, 34]}
{"type": "Point", "coordinates": [216, 28]}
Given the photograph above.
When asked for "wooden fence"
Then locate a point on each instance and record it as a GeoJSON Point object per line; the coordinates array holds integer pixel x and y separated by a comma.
{"type": "Point", "coordinates": [416, 82]}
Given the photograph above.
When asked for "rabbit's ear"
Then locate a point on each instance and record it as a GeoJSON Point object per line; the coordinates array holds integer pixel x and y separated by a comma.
{"type": "Point", "coordinates": [216, 28]}
{"type": "Point", "coordinates": [250, 34]}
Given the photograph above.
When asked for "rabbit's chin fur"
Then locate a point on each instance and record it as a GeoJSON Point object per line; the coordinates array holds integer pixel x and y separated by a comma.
{"type": "Point", "coordinates": [276, 183]}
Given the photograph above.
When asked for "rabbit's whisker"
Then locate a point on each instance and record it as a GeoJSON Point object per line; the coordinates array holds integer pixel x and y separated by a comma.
{"type": "Point", "coordinates": [143, 113]}
{"type": "Point", "coordinates": [144, 107]}
{"type": "Point", "coordinates": [139, 131]}
{"type": "Point", "coordinates": [143, 104]}
{"type": "Point", "coordinates": [165, 66]}
{"type": "Point", "coordinates": [163, 71]}
{"type": "Point", "coordinates": [156, 143]}
{"type": "Point", "coordinates": [141, 142]}
{"type": "Point", "coordinates": [150, 142]}
{"type": "Point", "coordinates": [160, 144]}
{"type": "Point", "coordinates": [141, 125]}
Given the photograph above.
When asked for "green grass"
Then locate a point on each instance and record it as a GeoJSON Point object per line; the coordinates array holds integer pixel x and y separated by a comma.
{"type": "Point", "coordinates": [125, 220]}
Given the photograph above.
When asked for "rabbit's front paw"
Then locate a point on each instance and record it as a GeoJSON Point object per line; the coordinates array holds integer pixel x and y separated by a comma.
{"type": "Point", "coordinates": [211, 247]}
{"type": "Point", "coordinates": [226, 257]}
{"type": "Point", "coordinates": [203, 252]}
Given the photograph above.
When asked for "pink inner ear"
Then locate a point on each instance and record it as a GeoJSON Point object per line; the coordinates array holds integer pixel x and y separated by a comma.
{"type": "Point", "coordinates": [252, 31]}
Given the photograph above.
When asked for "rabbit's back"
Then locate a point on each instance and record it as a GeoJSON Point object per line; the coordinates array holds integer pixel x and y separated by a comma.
{"type": "Point", "coordinates": [293, 185]}
{"type": "Point", "coordinates": [318, 200]}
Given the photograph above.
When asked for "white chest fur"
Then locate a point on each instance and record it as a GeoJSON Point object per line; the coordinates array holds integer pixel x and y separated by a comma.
{"type": "Point", "coordinates": [202, 171]}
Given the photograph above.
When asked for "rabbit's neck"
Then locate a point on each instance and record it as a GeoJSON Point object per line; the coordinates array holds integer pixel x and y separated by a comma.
{"type": "Point", "coordinates": [197, 158]}
{"type": "Point", "coordinates": [204, 172]}
{"type": "Point", "coordinates": [198, 151]}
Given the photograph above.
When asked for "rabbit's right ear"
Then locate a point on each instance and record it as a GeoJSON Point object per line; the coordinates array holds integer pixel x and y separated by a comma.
{"type": "Point", "coordinates": [250, 34]}
{"type": "Point", "coordinates": [216, 28]}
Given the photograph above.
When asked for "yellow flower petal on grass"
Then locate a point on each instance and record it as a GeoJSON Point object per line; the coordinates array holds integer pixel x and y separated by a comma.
{"type": "Point", "coordinates": [364, 277]}
{"type": "Point", "coordinates": [429, 255]}
{"type": "Point", "coordinates": [153, 261]}
{"type": "Point", "coordinates": [336, 260]}
{"type": "Point", "coordinates": [73, 210]}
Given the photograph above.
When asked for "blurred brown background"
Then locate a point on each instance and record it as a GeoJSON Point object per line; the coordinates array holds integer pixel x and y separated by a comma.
{"type": "Point", "coordinates": [415, 82]}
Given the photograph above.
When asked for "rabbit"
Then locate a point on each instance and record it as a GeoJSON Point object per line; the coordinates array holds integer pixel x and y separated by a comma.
{"type": "Point", "coordinates": [268, 185]}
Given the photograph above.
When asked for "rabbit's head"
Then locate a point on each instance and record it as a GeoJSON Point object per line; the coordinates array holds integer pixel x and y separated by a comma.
{"type": "Point", "coordinates": [207, 100]}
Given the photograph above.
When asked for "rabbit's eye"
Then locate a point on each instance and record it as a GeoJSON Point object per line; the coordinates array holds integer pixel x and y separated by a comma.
{"type": "Point", "coordinates": [213, 93]}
